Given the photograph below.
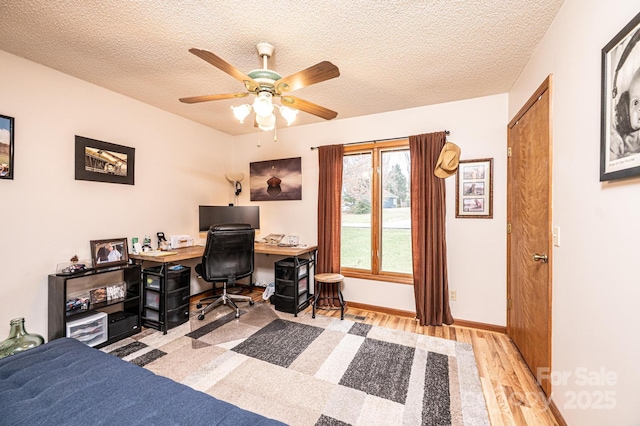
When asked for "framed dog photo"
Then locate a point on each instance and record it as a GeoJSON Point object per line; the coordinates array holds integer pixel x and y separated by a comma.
{"type": "Point", "coordinates": [111, 252]}
{"type": "Point", "coordinates": [620, 119]}
{"type": "Point", "coordinates": [474, 189]}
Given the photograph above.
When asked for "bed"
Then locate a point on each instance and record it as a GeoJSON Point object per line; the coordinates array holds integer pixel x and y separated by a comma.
{"type": "Point", "coordinates": [66, 382]}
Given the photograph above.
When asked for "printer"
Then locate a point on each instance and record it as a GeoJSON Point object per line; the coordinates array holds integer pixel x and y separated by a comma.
{"type": "Point", "coordinates": [179, 241]}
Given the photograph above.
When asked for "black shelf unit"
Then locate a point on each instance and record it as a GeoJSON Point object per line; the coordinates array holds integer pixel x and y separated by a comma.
{"type": "Point", "coordinates": [123, 313]}
{"type": "Point", "coordinates": [292, 288]}
{"type": "Point", "coordinates": [166, 296]}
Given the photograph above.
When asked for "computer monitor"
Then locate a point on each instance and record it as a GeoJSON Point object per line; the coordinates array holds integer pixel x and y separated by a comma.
{"type": "Point", "coordinates": [218, 215]}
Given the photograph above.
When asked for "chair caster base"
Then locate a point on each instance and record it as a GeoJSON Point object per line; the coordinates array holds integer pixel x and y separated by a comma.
{"type": "Point", "coordinates": [199, 305]}
{"type": "Point", "coordinates": [251, 302]}
{"type": "Point", "coordinates": [201, 317]}
{"type": "Point", "coordinates": [237, 314]}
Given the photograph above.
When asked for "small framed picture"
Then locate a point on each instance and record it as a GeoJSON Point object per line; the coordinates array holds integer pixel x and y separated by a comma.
{"type": "Point", "coordinates": [474, 189]}
{"type": "Point", "coordinates": [620, 115]}
{"type": "Point", "coordinates": [6, 147]}
{"type": "Point", "coordinates": [100, 161]}
{"type": "Point", "coordinates": [111, 252]}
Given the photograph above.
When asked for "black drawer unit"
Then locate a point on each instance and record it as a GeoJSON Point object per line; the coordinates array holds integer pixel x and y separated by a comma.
{"type": "Point", "coordinates": [292, 289]}
{"type": "Point", "coordinates": [166, 296]}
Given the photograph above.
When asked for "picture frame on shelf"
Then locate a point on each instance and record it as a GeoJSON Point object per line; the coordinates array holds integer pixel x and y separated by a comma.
{"type": "Point", "coordinates": [7, 130]}
{"type": "Point", "coordinates": [100, 161]}
{"type": "Point", "coordinates": [109, 252]}
{"type": "Point", "coordinates": [474, 189]}
{"type": "Point", "coordinates": [620, 120]}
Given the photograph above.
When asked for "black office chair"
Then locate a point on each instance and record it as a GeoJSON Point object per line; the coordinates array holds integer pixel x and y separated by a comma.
{"type": "Point", "coordinates": [228, 256]}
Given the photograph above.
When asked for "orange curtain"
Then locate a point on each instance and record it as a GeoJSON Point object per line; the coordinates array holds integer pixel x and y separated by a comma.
{"type": "Point", "coordinates": [428, 242]}
{"type": "Point", "coordinates": [329, 213]}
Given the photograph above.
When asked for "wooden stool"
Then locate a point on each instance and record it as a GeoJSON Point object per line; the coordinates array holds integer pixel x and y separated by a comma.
{"type": "Point", "coordinates": [334, 281]}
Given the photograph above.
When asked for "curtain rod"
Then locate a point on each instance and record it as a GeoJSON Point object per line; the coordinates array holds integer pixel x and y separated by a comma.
{"type": "Point", "coordinates": [375, 141]}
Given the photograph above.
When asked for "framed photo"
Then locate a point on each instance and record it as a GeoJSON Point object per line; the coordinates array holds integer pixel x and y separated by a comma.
{"type": "Point", "coordinates": [474, 189]}
{"type": "Point", "coordinates": [620, 120]}
{"type": "Point", "coordinates": [103, 161]}
{"type": "Point", "coordinates": [6, 147]}
{"type": "Point", "coordinates": [106, 253]}
{"type": "Point", "coordinates": [276, 180]}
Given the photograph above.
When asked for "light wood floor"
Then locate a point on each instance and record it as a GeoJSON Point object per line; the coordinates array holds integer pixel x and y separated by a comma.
{"type": "Point", "coordinates": [513, 397]}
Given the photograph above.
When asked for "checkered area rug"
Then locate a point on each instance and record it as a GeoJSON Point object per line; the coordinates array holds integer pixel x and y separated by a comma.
{"type": "Point", "coordinates": [321, 371]}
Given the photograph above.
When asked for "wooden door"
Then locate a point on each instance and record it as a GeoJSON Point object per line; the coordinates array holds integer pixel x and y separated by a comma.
{"type": "Point", "coordinates": [529, 234]}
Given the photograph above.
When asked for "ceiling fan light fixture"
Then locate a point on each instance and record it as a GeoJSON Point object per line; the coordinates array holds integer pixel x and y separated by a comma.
{"type": "Point", "coordinates": [262, 105]}
{"type": "Point", "coordinates": [241, 112]}
{"type": "Point", "coordinates": [265, 84]}
{"type": "Point", "coordinates": [266, 123]}
{"type": "Point", "coordinates": [288, 114]}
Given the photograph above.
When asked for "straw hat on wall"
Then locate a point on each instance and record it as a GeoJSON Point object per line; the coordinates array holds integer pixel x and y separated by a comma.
{"type": "Point", "coordinates": [448, 160]}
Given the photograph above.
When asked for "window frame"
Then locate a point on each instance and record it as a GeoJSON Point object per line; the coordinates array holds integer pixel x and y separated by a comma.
{"type": "Point", "coordinates": [376, 149]}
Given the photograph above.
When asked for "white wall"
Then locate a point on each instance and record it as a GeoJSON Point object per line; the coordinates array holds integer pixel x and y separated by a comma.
{"type": "Point", "coordinates": [46, 216]}
{"type": "Point", "coordinates": [478, 126]}
{"type": "Point", "coordinates": [180, 165]}
{"type": "Point", "coordinates": [595, 273]}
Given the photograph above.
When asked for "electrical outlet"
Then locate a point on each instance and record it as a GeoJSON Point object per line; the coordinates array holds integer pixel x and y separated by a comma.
{"type": "Point", "coordinates": [453, 295]}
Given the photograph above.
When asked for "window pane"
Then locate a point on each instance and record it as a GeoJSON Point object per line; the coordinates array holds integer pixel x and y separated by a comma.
{"type": "Point", "coordinates": [355, 248]}
{"type": "Point", "coordinates": [396, 213]}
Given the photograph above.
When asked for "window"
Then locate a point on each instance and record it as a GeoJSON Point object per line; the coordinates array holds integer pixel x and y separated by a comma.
{"type": "Point", "coordinates": [376, 216]}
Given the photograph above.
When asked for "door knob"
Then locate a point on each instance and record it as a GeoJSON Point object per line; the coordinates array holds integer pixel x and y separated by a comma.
{"type": "Point", "coordinates": [538, 257]}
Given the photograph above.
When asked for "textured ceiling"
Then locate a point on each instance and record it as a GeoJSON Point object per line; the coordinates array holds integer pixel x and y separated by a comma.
{"type": "Point", "coordinates": [391, 54]}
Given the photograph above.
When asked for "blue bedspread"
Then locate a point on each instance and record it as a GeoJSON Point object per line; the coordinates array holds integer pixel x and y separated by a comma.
{"type": "Point", "coordinates": [66, 382]}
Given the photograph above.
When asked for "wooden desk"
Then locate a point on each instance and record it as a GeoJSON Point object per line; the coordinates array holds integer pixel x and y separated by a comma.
{"type": "Point", "coordinates": [193, 252]}
{"type": "Point", "coordinates": [196, 252]}
{"type": "Point", "coordinates": [262, 248]}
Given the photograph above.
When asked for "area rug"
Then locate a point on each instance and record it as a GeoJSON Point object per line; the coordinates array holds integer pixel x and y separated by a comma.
{"type": "Point", "coordinates": [321, 371]}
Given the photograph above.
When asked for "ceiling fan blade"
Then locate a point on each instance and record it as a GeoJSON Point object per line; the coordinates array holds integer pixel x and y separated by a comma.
{"type": "Point", "coordinates": [315, 74]}
{"type": "Point", "coordinates": [206, 98]}
{"type": "Point", "coordinates": [225, 66]}
{"type": "Point", "coordinates": [310, 107]}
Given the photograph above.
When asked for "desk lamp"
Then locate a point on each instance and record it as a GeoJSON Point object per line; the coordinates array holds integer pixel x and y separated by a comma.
{"type": "Point", "coordinates": [235, 178]}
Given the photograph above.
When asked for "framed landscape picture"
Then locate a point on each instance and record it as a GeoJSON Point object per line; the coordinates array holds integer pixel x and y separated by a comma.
{"type": "Point", "coordinates": [100, 161]}
{"type": "Point", "coordinates": [620, 115]}
{"type": "Point", "coordinates": [6, 147]}
{"type": "Point", "coordinates": [276, 180]}
{"type": "Point", "coordinates": [474, 189]}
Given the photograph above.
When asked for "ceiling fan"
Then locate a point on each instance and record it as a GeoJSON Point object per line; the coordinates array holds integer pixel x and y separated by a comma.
{"type": "Point", "coordinates": [267, 84]}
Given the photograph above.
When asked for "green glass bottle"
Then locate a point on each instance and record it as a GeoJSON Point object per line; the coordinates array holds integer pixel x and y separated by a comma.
{"type": "Point", "coordinates": [19, 340]}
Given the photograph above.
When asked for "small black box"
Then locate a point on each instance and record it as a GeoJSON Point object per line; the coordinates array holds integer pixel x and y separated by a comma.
{"type": "Point", "coordinates": [121, 323]}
